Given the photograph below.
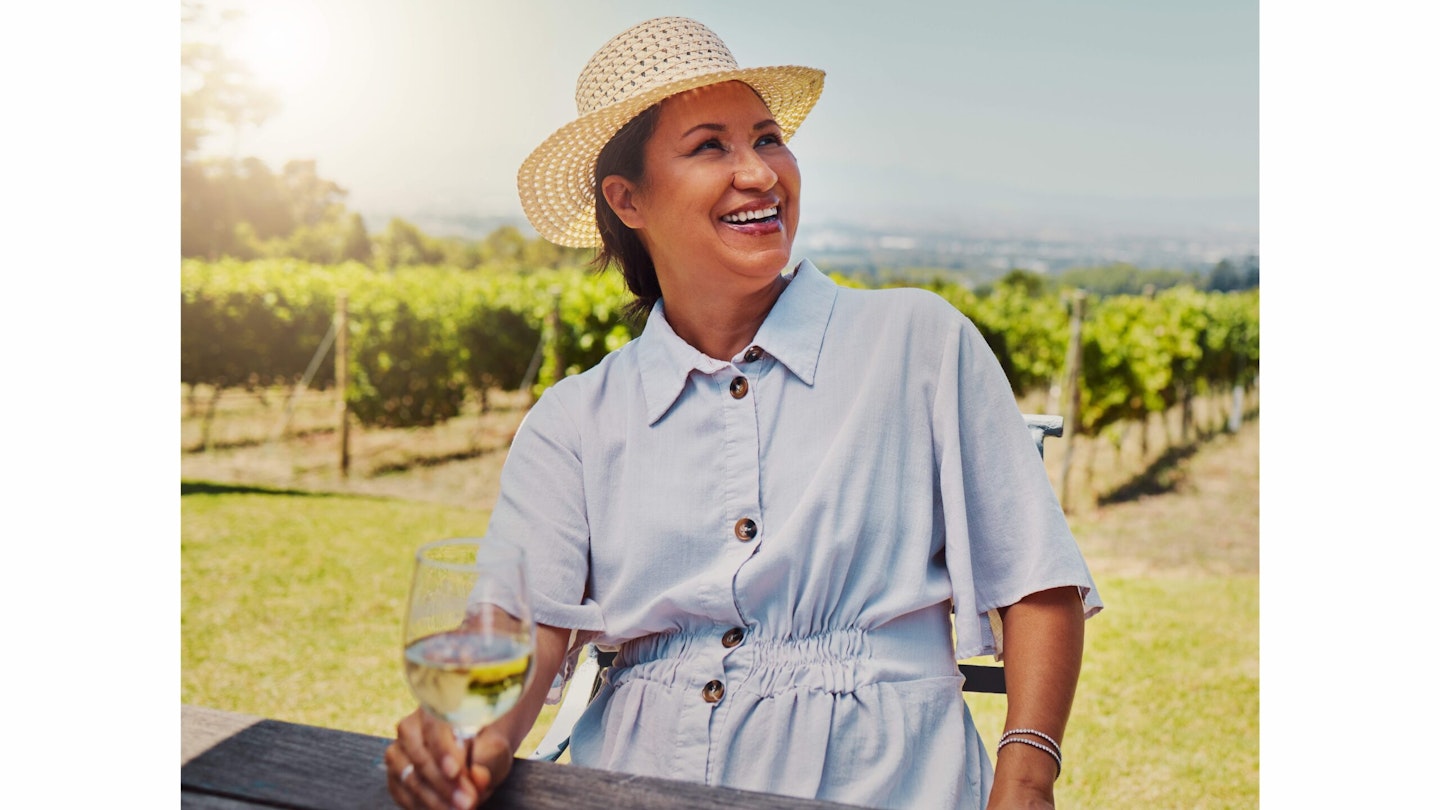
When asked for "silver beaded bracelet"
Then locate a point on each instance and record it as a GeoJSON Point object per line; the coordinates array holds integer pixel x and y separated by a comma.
{"type": "Point", "coordinates": [1042, 735]}
{"type": "Point", "coordinates": [1012, 737]}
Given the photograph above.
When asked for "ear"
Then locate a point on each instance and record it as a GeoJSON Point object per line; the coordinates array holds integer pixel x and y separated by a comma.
{"type": "Point", "coordinates": [620, 194]}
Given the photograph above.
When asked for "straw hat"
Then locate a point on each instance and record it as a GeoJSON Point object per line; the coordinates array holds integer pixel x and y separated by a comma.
{"type": "Point", "coordinates": [638, 68]}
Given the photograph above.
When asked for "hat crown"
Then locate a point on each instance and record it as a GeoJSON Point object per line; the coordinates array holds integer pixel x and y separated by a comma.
{"type": "Point", "coordinates": [651, 54]}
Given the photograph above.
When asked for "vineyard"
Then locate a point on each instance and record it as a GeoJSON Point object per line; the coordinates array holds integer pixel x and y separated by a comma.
{"type": "Point", "coordinates": [438, 350]}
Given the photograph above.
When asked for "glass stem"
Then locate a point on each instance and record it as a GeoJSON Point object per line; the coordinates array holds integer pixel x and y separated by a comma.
{"type": "Point", "coordinates": [464, 740]}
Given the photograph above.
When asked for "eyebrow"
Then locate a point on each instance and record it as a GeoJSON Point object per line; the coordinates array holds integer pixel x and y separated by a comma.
{"type": "Point", "coordinates": [768, 122]}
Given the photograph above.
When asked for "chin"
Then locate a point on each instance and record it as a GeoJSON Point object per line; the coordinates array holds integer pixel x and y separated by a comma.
{"type": "Point", "coordinates": [766, 263]}
{"type": "Point", "coordinates": [768, 259]}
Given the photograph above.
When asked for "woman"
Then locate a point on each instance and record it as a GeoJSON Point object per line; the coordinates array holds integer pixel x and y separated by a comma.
{"type": "Point", "coordinates": [773, 500]}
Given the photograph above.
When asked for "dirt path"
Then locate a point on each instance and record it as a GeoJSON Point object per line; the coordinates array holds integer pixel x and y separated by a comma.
{"type": "Point", "coordinates": [1205, 518]}
{"type": "Point", "coordinates": [1195, 509]}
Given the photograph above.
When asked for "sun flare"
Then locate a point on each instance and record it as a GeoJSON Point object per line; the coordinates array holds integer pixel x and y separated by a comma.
{"type": "Point", "coordinates": [285, 45]}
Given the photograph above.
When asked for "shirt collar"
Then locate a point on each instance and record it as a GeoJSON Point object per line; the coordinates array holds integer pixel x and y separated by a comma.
{"type": "Point", "coordinates": [792, 333]}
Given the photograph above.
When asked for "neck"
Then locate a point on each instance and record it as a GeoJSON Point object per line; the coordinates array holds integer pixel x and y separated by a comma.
{"type": "Point", "coordinates": [722, 325]}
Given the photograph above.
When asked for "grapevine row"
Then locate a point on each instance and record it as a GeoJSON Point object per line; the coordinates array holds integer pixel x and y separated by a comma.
{"type": "Point", "coordinates": [422, 339]}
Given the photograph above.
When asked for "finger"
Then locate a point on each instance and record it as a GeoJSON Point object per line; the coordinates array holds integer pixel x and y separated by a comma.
{"type": "Point", "coordinates": [443, 747]}
{"type": "Point", "coordinates": [408, 788]}
{"type": "Point", "coordinates": [410, 738]}
{"type": "Point", "coordinates": [401, 781]}
{"type": "Point", "coordinates": [410, 791]}
{"type": "Point", "coordinates": [424, 747]}
{"type": "Point", "coordinates": [491, 760]}
{"type": "Point", "coordinates": [451, 756]}
{"type": "Point", "coordinates": [394, 776]}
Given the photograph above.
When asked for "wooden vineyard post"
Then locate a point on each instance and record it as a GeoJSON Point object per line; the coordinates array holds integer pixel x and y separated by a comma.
{"type": "Point", "coordinates": [556, 323]}
{"type": "Point", "coordinates": [342, 376]}
{"type": "Point", "coordinates": [1072, 393]}
{"type": "Point", "coordinates": [1237, 408]}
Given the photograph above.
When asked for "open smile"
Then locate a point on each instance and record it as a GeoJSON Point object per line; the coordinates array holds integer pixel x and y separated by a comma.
{"type": "Point", "coordinates": [751, 216]}
{"type": "Point", "coordinates": [754, 221]}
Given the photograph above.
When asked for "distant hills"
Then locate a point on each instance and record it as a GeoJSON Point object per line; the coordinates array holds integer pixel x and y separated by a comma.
{"type": "Point", "coordinates": [984, 255]}
{"type": "Point", "coordinates": [976, 248]}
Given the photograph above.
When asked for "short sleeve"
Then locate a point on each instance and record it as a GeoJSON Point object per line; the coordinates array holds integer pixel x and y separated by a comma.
{"type": "Point", "coordinates": [1005, 534]}
{"type": "Point", "coordinates": [542, 507]}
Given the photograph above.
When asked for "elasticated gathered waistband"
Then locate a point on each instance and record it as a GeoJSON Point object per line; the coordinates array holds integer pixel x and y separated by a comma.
{"type": "Point", "coordinates": [917, 645]}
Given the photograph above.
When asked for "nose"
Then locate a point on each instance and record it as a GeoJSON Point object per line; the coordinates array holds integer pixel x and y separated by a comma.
{"type": "Point", "coordinates": [752, 172]}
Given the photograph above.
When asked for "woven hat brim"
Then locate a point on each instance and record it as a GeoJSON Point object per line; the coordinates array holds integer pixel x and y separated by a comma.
{"type": "Point", "coordinates": [556, 182]}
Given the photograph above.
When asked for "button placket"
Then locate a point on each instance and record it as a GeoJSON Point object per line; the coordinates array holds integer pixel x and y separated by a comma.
{"type": "Point", "coordinates": [742, 459]}
{"type": "Point", "coordinates": [740, 495]}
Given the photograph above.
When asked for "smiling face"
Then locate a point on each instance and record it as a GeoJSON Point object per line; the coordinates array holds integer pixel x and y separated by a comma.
{"type": "Point", "coordinates": [719, 201]}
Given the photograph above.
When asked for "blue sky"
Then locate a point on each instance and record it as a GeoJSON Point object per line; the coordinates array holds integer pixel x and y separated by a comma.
{"type": "Point", "coordinates": [1037, 112]}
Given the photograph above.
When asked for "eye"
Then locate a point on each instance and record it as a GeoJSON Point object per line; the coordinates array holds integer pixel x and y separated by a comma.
{"type": "Point", "coordinates": [770, 139]}
{"type": "Point", "coordinates": [713, 143]}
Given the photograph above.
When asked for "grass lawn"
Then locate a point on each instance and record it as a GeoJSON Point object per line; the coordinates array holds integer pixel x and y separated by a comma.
{"type": "Point", "coordinates": [1167, 713]}
{"type": "Point", "coordinates": [292, 603]}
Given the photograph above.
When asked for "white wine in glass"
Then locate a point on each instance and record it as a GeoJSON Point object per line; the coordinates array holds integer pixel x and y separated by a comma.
{"type": "Point", "coordinates": [469, 632]}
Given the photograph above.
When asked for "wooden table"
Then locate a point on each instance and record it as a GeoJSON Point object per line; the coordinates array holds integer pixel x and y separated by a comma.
{"type": "Point", "coordinates": [235, 761]}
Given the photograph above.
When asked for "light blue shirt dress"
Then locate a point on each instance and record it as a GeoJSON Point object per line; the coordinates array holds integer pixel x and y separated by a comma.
{"type": "Point", "coordinates": [774, 542]}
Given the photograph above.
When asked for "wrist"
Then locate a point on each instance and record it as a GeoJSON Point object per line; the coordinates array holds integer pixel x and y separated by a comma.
{"type": "Point", "coordinates": [1025, 767]}
{"type": "Point", "coordinates": [1015, 787]}
{"type": "Point", "coordinates": [504, 736]}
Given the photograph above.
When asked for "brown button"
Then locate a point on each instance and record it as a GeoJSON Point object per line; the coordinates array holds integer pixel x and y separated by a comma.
{"type": "Point", "coordinates": [732, 637]}
{"type": "Point", "coordinates": [745, 529]}
{"type": "Point", "coordinates": [753, 353]}
{"type": "Point", "coordinates": [738, 387]}
{"type": "Point", "coordinates": [713, 691]}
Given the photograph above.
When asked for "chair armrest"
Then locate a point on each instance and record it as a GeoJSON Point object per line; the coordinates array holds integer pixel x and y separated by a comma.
{"type": "Point", "coordinates": [983, 678]}
{"type": "Point", "coordinates": [1043, 426]}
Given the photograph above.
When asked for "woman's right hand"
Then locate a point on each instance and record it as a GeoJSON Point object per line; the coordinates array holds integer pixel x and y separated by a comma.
{"type": "Point", "coordinates": [425, 766]}
{"type": "Point", "coordinates": [439, 779]}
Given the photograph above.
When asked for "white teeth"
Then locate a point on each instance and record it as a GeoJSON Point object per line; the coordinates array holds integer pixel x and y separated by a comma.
{"type": "Point", "coordinates": [746, 216]}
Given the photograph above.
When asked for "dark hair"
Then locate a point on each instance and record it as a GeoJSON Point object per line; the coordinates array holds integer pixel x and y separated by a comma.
{"type": "Point", "coordinates": [625, 155]}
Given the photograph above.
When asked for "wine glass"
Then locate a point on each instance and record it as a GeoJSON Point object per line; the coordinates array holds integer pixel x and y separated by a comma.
{"type": "Point", "coordinates": [469, 631]}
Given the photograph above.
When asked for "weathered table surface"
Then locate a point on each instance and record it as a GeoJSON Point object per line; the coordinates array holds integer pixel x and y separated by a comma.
{"type": "Point", "coordinates": [234, 761]}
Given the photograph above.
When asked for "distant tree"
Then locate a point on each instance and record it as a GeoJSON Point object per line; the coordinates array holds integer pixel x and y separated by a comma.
{"type": "Point", "coordinates": [217, 195]}
{"type": "Point", "coordinates": [403, 244]}
{"type": "Point", "coordinates": [504, 245]}
{"type": "Point", "coordinates": [1251, 274]}
{"type": "Point", "coordinates": [356, 243]}
{"type": "Point", "coordinates": [339, 237]}
{"type": "Point", "coordinates": [238, 206]}
{"type": "Point", "coordinates": [259, 195]}
{"type": "Point", "coordinates": [1032, 283]}
{"type": "Point", "coordinates": [1224, 277]}
{"type": "Point", "coordinates": [539, 253]}
{"type": "Point", "coordinates": [1125, 279]}
{"type": "Point", "coordinates": [456, 252]}
{"type": "Point", "coordinates": [312, 198]}
{"type": "Point", "coordinates": [217, 92]}
{"type": "Point", "coordinates": [220, 195]}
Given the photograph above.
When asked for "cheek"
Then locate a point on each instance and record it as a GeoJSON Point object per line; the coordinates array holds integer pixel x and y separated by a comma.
{"type": "Point", "coordinates": [687, 190]}
{"type": "Point", "coordinates": [788, 172]}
